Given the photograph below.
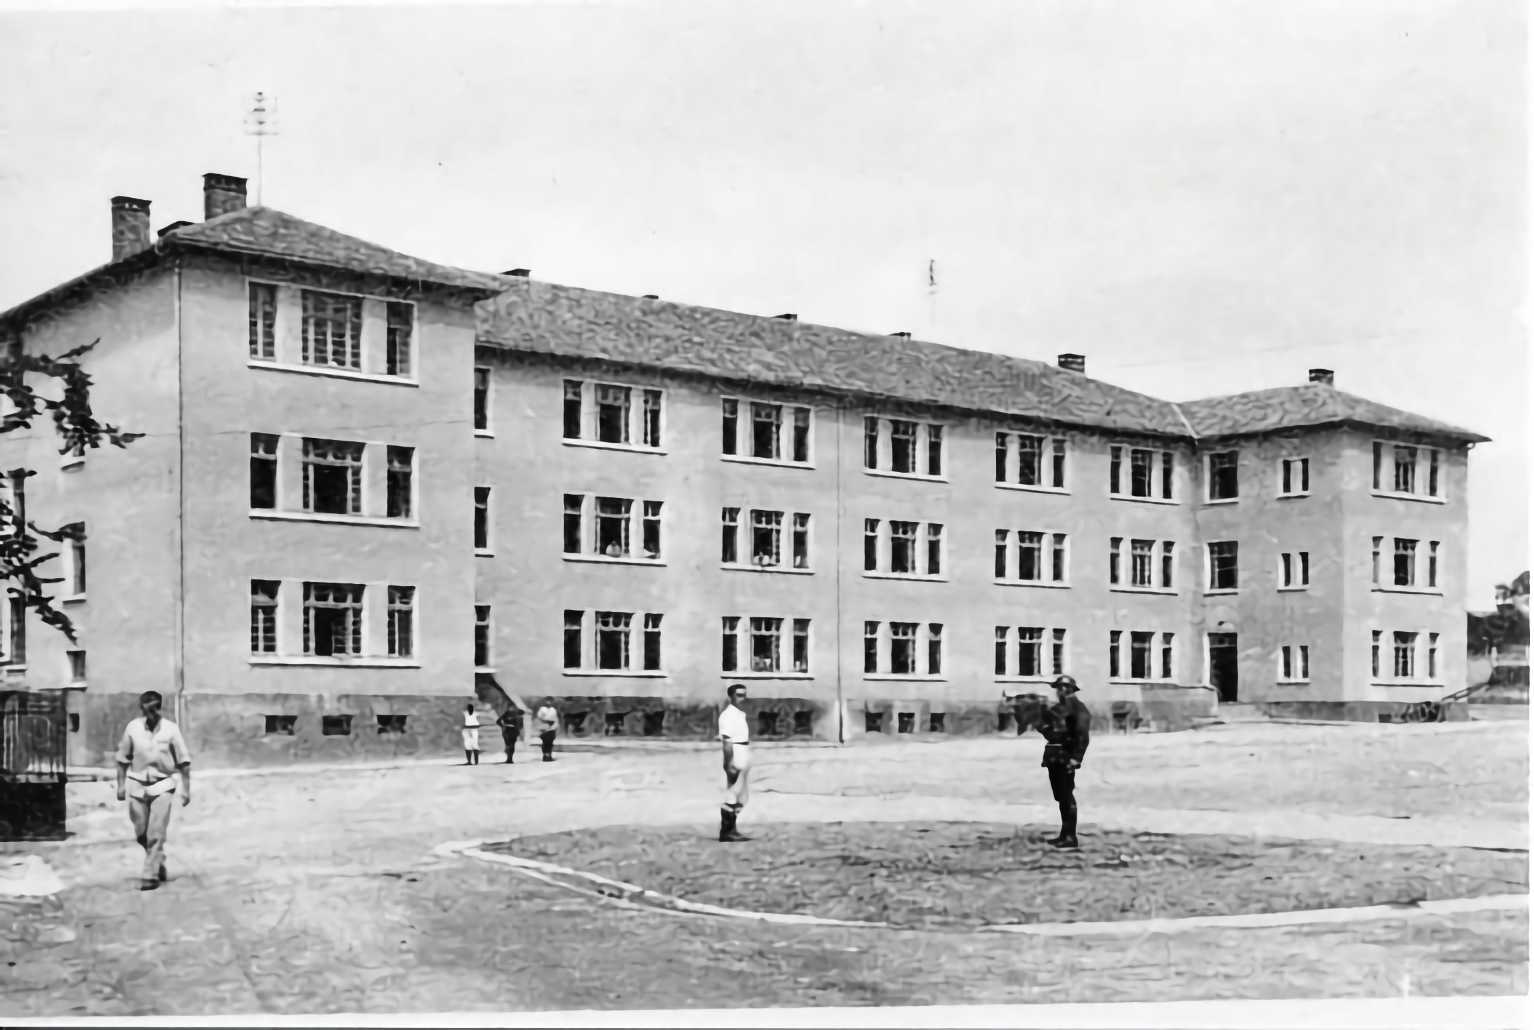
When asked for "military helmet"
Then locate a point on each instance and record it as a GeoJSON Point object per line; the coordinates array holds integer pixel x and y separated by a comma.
{"type": "Point", "coordinates": [1068, 682]}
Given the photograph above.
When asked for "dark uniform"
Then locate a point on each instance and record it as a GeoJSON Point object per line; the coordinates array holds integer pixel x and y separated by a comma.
{"type": "Point", "coordinates": [510, 723]}
{"type": "Point", "coordinates": [1068, 732]}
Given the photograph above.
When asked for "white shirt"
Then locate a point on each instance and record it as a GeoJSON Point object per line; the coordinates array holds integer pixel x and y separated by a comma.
{"type": "Point", "coordinates": [152, 756]}
{"type": "Point", "coordinates": [548, 719]}
{"type": "Point", "coordinates": [733, 726]}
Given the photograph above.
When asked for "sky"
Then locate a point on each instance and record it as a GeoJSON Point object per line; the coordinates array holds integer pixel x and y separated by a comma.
{"type": "Point", "coordinates": [1202, 196]}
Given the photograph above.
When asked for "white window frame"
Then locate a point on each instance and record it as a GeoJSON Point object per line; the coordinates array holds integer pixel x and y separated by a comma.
{"type": "Point", "coordinates": [294, 323]}
{"type": "Point", "coordinates": [1046, 559]}
{"type": "Point", "coordinates": [589, 645]}
{"type": "Point", "coordinates": [1299, 476]}
{"type": "Point", "coordinates": [1298, 656]}
{"type": "Point", "coordinates": [1424, 566]}
{"type": "Point", "coordinates": [786, 635]}
{"type": "Point", "coordinates": [590, 421]}
{"type": "Point", "coordinates": [1158, 552]}
{"type": "Point", "coordinates": [1209, 569]}
{"type": "Point", "coordinates": [1382, 473]}
{"type": "Point", "coordinates": [1427, 652]}
{"type": "Point", "coordinates": [1299, 571]}
{"type": "Point", "coordinates": [744, 526]}
{"type": "Point", "coordinates": [375, 488]}
{"type": "Point", "coordinates": [1013, 461]}
{"type": "Point", "coordinates": [921, 657]}
{"type": "Point", "coordinates": [589, 530]}
{"type": "Point", "coordinates": [488, 430]}
{"type": "Point", "coordinates": [1160, 454]}
{"type": "Point", "coordinates": [886, 552]}
{"type": "Point", "coordinates": [745, 432]}
{"type": "Point", "coordinates": [1208, 490]}
{"type": "Point", "coordinates": [884, 464]}
{"type": "Point", "coordinates": [1010, 641]}
{"type": "Point", "coordinates": [1124, 643]}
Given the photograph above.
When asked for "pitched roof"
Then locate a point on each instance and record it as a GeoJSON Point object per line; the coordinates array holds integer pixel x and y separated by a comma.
{"type": "Point", "coordinates": [267, 233]}
{"type": "Point", "coordinates": [546, 318]}
{"type": "Point", "coordinates": [1315, 404]}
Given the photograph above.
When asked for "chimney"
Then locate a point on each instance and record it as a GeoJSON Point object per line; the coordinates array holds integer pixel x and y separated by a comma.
{"type": "Point", "coordinates": [520, 273]}
{"type": "Point", "coordinates": [902, 335]}
{"type": "Point", "coordinates": [1073, 362]}
{"type": "Point", "coordinates": [789, 317]}
{"type": "Point", "coordinates": [1322, 376]}
{"type": "Point", "coordinates": [651, 296]}
{"type": "Point", "coordinates": [130, 226]}
{"type": "Point", "coordinates": [221, 194]}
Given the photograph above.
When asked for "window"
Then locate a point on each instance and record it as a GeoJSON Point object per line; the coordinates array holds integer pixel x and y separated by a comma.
{"type": "Point", "coordinates": [1001, 457]}
{"type": "Point", "coordinates": [1115, 558]}
{"type": "Point", "coordinates": [1374, 653]}
{"type": "Point", "coordinates": [482, 637]}
{"type": "Point", "coordinates": [336, 725]}
{"type": "Point", "coordinates": [572, 407]}
{"type": "Point", "coordinates": [729, 553]}
{"type": "Point", "coordinates": [1144, 478]}
{"type": "Point", "coordinates": [574, 507]}
{"type": "Point", "coordinates": [1140, 655]}
{"type": "Point", "coordinates": [18, 624]}
{"type": "Point", "coordinates": [1141, 563]}
{"type": "Point", "coordinates": [766, 645]}
{"type": "Point", "coordinates": [481, 518]}
{"type": "Point", "coordinates": [1001, 650]}
{"type": "Point", "coordinates": [1115, 468]}
{"type": "Point", "coordinates": [870, 647]}
{"type": "Point", "coordinates": [574, 626]}
{"type": "Point", "coordinates": [801, 540]}
{"type": "Point", "coordinates": [1379, 452]}
{"type": "Point", "coordinates": [900, 552]}
{"type": "Point", "coordinates": [1167, 654]}
{"type": "Point", "coordinates": [870, 545]}
{"type": "Point", "coordinates": [613, 639]}
{"type": "Point", "coordinates": [263, 322]}
{"type": "Point", "coordinates": [76, 668]}
{"type": "Point", "coordinates": [730, 426]}
{"type": "Point", "coordinates": [897, 651]}
{"type": "Point", "coordinates": [281, 725]}
{"type": "Point", "coordinates": [1001, 553]}
{"type": "Point", "coordinates": [1406, 470]}
{"type": "Point", "coordinates": [802, 434]}
{"type": "Point", "coordinates": [902, 447]}
{"type": "Point", "coordinates": [1224, 484]}
{"type": "Point", "coordinates": [1113, 653]}
{"type": "Point", "coordinates": [651, 641]}
{"type": "Point", "coordinates": [332, 330]}
{"type": "Point", "coordinates": [1168, 564]}
{"type": "Point", "coordinates": [1405, 666]}
{"type": "Point", "coordinates": [613, 526]}
{"type": "Point", "coordinates": [332, 619]}
{"type": "Point", "coordinates": [613, 413]}
{"type": "Point", "coordinates": [1294, 570]}
{"type": "Point", "coordinates": [766, 426]}
{"type": "Point", "coordinates": [1294, 663]}
{"type": "Point", "coordinates": [263, 470]}
{"type": "Point", "coordinates": [401, 461]}
{"type": "Point", "coordinates": [332, 476]}
{"type": "Point", "coordinates": [74, 541]}
{"type": "Point", "coordinates": [1222, 565]}
{"type": "Point", "coordinates": [1410, 468]}
{"type": "Point", "coordinates": [1432, 474]}
{"type": "Point", "coordinates": [391, 724]}
{"type": "Point", "coordinates": [766, 538]}
{"type": "Point", "coordinates": [903, 648]}
{"type": "Point", "coordinates": [802, 645]}
{"type": "Point", "coordinates": [1432, 656]}
{"type": "Point", "coordinates": [1032, 558]}
{"type": "Point", "coordinates": [730, 649]}
{"type": "Point", "coordinates": [934, 648]}
{"type": "Point", "coordinates": [400, 322]}
{"type": "Point", "coordinates": [902, 547]}
{"type": "Point", "coordinates": [1293, 477]}
{"type": "Point", "coordinates": [1375, 573]}
{"type": "Point", "coordinates": [651, 418]}
{"type": "Point", "coordinates": [934, 549]}
{"type": "Point", "coordinates": [651, 530]}
{"type": "Point", "coordinates": [263, 616]}
{"type": "Point", "coordinates": [1140, 462]}
{"type": "Point", "coordinates": [1030, 644]}
{"type": "Point", "coordinates": [402, 622]}
{"type": "Point", "coordinates": [1057, 465]}
{"type": "Point", "coordinates": [1167, 467]}
{"type": "Point", "coordinates": [1057, 652]}
{"type": "Point", "coordinates": [1432, 565]}
{"type": "Point", "coordinates": [482, 402]}
{"type": "Point", "coordinates": [1031, 461]}
{"type": "Point", "coordinates": [1142, 664]}
{"type": "Point", "coordinates": [1405, 563]}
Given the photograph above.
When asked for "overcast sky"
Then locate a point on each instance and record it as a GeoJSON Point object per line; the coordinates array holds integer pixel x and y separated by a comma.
{"type": "Point", "coordinates": [1203, 196]}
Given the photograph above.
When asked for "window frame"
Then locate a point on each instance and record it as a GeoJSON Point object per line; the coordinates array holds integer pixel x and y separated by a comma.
{"type": "Point", "coordinates": [1427, 471]}
{"type": "Point", "coordinates": [785, 435]}
{"type": "Point", "coordinates": [1158, 645]}
{"type": "Point", "coordinates": [1299, 473]}
{"type": "Point", "coordinates": [587, 518]}
{"type": "Point", "coordinates": [883, 539]}
{"type": "Point", "coordinates": [745, 537]}
{"type": "Point", "coordinates": [1211, 562]}
{"type": "Point", "coordinates": [588, 630]}
{"type": "Point", "coordinates": [296, 326]}
{"type": "Point", "coordinates": [1054, 450]}
{"type": "Point", "coordinates": [1121, 556]}
{"type": "Point", "coordinates": [1211, 476]}
{"type": "Point", "coordinates": [925, 636]}
{"type": "Point", "coordinates": [636, 425]}
{"type": "Point", "coordinates": [921, 447]}
{"type": "Point", "coordinates": [737, 635]}
{"type": "Point", "coordinates": [1293, 664]}
{"type": "Point", "coordinates": [1293, 573]}
{"type": "Point", "coordinates": [1160, 474]}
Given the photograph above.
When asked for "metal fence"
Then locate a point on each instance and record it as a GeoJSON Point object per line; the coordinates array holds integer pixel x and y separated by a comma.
{"type": "Point", "coordinates": [34, 736]}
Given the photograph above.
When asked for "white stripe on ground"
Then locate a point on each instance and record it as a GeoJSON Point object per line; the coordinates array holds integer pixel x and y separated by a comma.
{"type": "Point", "coordinates": [632, 896]}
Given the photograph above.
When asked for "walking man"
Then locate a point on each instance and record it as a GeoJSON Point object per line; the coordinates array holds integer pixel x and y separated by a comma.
{"type": "Point", "coordinates": [735, 733]}
{"type": "Point", "coordinates": [547, 719]}
{"type": "Point", "coordinates": [1067, 731]}
{"type": "Point", "coordinates": [149, 758]}
{"type": "Point", "coordinates": [510, 723]}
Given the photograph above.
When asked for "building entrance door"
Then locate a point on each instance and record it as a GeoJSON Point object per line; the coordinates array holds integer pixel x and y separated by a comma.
{"type": "Point", "coordinates": [1222, 665]}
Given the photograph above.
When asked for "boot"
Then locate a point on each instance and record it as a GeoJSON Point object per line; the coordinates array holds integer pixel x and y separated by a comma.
{"type": "Point", "coordinates": [1067, 838]}
{"type": "Point", "coordinates": [727, 832]}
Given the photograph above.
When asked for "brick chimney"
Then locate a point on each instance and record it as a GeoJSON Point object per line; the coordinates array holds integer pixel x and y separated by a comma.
{"type": "Point", "coordinates": [221, 194]}
{"type": "Point", "coordinates": [1322, 376]}
{"type": "Point", "coordinates": [130, 226]}
{"type": "Point", "coordinates": [1073, 362]}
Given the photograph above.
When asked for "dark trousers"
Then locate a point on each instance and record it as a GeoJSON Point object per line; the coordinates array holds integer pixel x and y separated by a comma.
{"type": "Point", "coordinates": [546, 738]}
{"type": "Point", "coordinates": [1062, 784]}
{"type": "Point", "coordinates": [509, 738]}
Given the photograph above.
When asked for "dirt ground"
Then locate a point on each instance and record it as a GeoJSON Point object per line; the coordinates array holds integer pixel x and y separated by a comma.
{"type": "Point", "coordinates": [319, 891]}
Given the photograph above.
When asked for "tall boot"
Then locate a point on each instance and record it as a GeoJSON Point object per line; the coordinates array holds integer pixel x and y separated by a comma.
{"type": "Point", "coordinates": [1067, 838]}
{"type": "Point", "coordinates": [728, 834]}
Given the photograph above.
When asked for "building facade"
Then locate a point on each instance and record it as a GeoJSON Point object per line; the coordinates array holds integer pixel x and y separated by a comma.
{"type": "Point", "coordinates": [372, 489]}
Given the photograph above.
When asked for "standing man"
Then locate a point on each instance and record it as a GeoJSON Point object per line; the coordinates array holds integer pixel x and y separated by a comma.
{"type": "Point", "coordinates": [735, 733]}
{"type": "Point", "coordinates": [548, 723]}
{"type": "Point", "coordinates": [510, 723]}
{"type": "Point", "coordinates": [149, 757]}
{"type": "Point", "coordinates": [1067, 732]}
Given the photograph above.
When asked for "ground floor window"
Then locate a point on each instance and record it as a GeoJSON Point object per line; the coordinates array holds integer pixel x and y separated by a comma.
{"type": "Point", "coordinates": [765, 644]}
{"type": "Point", "coordinates": [616, 642]}
{"type": "Point", "coordinates": [333, 619]}
{"type": "Point", "coordinates": [1141, 655]}
{"type": "Point", "coordinates": [903, 648]}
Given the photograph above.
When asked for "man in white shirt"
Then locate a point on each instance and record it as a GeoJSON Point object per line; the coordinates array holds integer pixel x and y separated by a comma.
{"type": "Point", "coordinates": [149, 758]}
{"type": "Point", "coordinates": [735, 733]}
{"type": "Point", "coordinates": [547, 718]}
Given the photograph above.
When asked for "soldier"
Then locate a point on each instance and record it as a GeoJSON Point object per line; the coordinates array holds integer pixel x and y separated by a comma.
{"type": "Point", "coordinates": [1067, 732]}
{"type": "Point", "coordinates": [735, 734]}
{"type": "Point", "coordinates": [510, 723]}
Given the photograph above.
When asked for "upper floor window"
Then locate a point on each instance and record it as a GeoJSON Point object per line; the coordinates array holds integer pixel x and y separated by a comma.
{"type": "Point", "coordinates": [332, 476]}
{"type": "Point", "coordinates": [1149, 475]}
{"type": "Point", "coordinates": [340, 333]}
{"type": "Point", "coordinates": [263, 616]}
{"type": "Point", "coordinates": [902, 447]}
{"type": "Point", "coordinates": [398, 331]}
{"type": "Point", "coordinates": [482, 518]}
{"type": "Point", "coordinates": [332, 329]}
{"type": "Point", "coordinates": [1293, 477]}
{"type": "Point", "coordinates": [402, 622]}
{"type": "Point", "coordinates": [1222, 565]}
{"type": "Point", "coordinates": [1407, 471]}
{"type": "Point", "coordinates": [399, 494]}
{"type": "Point", "coordinates": [482, 400]}
{"type": "Point", "coordinates": [263, 470]}
{"type": "Point", "coordinates": [1412, 566]}
{"type": "Point", "coordinates": [1294, 570]}
{"type": "Point", "coordinates": [1150, 564]}
{"type": "Point", "coordinates": [765, 431]}
{"type": "Point", "coordinates": [771, 645]}
{"type": "Point", "coordinates": [613, 414]}
{"type": "Point", "coordinates": [1029, 556]}
{"type": "Point", "coordinates": [333, 619]}
{"type": "Point", "coordinates": [1224, 484]}
{"type": "Point", "coordinates": [1030, 652]}
{"type": "Point", "coordinates": [897, 547]}
{"type": "Point", "coordinates": [1030, 461]}
{"type": "Point", "coordinates": [606, 527]}
{"type": "Point", "coordinates": [263, 321]}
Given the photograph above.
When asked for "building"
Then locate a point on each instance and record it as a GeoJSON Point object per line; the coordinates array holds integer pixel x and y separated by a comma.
{"type": "Point", "coordinates": [373, 488]}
